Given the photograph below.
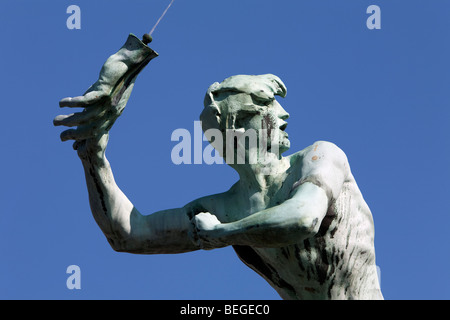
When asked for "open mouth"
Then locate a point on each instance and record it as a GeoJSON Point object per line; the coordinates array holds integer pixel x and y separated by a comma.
{"type": "Point", "coordinates": [283, 126]}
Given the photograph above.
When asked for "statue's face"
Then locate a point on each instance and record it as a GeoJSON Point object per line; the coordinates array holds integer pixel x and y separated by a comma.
{"type": "Point", "coordinates": [248, 111]}
{"type": "Point", "coordinates": [241, 116]}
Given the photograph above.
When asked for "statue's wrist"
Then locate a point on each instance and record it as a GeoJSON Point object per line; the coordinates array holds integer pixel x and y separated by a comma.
{"type": "Point", "coordinates": [93, 157]}
{"type": "Point", "coordinates": [96, 161]}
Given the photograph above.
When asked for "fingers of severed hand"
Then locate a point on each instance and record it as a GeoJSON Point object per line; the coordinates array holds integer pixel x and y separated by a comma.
{"type": "Point", "coordinates": [79, 118]}
{"type": "Point", "coordinates": [85, 101]}
{"type": "Point", "coordinates": [85, 131]}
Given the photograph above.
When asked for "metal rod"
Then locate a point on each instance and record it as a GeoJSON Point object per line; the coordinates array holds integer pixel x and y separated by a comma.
{"type": "Point", "coordinates": [147, 38]}
{"type": "Point", "coordinates": [160, 18]}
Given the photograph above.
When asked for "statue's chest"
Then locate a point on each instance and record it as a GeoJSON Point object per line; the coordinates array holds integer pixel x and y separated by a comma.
{"type": "Point", "coordinates": [256, 202]}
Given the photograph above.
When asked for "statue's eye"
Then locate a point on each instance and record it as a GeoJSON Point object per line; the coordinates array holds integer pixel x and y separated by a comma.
{"type": "Point", "coordinates": [261, 102]}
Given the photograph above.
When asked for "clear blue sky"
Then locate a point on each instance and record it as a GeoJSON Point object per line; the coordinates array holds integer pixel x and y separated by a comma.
{"type": "Point", "coordinates": [380, 95]}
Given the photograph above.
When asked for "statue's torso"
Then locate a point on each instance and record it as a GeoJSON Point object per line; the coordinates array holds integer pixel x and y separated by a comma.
{"type": "Point", "coordinates": [337, 263]}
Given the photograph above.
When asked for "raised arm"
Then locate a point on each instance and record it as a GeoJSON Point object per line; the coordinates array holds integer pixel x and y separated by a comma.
{"type": "Point", "coordinates": [324, 171]}
{"type": "Point", "coordinates": [124, 227]}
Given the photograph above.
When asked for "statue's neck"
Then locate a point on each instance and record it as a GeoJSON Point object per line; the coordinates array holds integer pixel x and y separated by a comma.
{"type": "Point", "coordinates": [262, 177]}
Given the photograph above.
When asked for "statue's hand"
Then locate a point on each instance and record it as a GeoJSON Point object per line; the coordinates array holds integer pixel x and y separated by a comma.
{"type": "Point", "coordinates": [105, 100]}
{"type": "Point", "coordinates": [205, 231]}
{"type": "Point", "coordinates": [93, 123]}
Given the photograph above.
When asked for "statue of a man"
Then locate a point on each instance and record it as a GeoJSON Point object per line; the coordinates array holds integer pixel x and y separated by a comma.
{"type": "Point", "coordinates": [299, 221]}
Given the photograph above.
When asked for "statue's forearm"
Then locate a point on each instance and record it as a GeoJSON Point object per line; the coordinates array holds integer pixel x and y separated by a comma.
{"type": "Point", "coordinates": [126, 229]}
{"type": "Point", "coordinates": [293, 221]}
{"type": "Point", "coordinates": [267, 228]}
{"type": "Point", "coordinates": [110, 207]}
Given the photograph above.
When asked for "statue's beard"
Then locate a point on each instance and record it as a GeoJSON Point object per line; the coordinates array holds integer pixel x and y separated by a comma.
{"type": "Point", "coordinates": [266, 139]}
{"type": "Point", "coordinates": [274, 134]}
{"type": "Point", "coordinates": [269, 123]}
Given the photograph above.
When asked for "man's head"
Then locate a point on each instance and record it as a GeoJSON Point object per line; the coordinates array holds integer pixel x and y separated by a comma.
{"type": "Point", "coordinates": [246, 102]}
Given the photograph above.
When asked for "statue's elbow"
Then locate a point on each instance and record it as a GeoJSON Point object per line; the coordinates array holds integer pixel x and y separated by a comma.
{"type": "Point", "coordinates": [118, 245]}
{"type": "Point", "coordinates": [308, 227]}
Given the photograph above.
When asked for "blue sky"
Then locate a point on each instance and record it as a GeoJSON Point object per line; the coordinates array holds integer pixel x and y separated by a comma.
{"type": "Point", "coordinates": [380, 95]}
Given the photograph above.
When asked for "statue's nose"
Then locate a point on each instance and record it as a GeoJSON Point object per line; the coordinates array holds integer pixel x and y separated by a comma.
{"type": "Point", "coordinates": [283, 114]}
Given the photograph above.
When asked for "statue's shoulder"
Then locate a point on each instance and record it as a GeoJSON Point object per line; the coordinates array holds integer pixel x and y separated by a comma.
{"type": "Point", "coordinates": [319, 153]}
{"type": "Point", "coordinates": [324, 164]}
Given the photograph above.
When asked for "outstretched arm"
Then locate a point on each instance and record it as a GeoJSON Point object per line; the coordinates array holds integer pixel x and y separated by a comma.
{"type": "Point", "coordinates": [125, 228]}
{"type": "Point", "coordinates": [325, 169]}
